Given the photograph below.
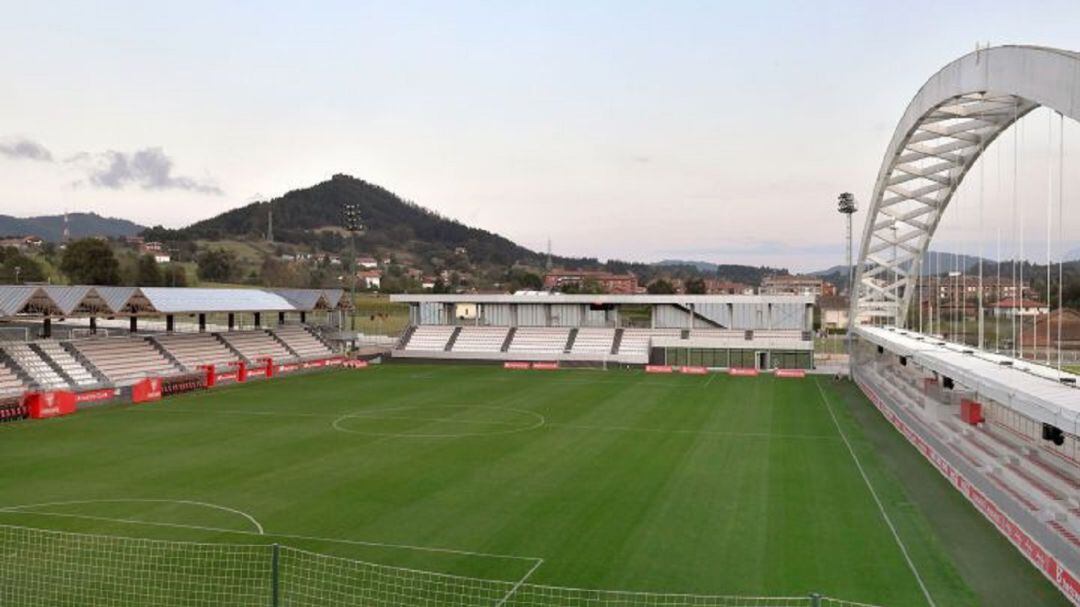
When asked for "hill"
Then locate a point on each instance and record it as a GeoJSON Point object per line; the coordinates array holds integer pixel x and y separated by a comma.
{"type": "Point", "coordinates": [81, 225]}
{"type": "Point", "coordinates": [313, 216]}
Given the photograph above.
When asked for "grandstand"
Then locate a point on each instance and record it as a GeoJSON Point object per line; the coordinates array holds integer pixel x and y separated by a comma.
{"type": "Point", "coordinates": [1007, 428]}
{"type": "Point", "coordinates": [709, 330]}
{"type": "Point", "coordinates": [97, 361]}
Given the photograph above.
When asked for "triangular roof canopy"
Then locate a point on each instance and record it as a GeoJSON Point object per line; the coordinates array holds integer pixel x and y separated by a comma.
{"type": "Point", "coordinates": [21, 299]}
{"type": "Point", "coordinates": [79, 300]}
{"type": "Point", "coordinates": [336, 299]}
{"type": "Point", "coordinates": [305, 299]}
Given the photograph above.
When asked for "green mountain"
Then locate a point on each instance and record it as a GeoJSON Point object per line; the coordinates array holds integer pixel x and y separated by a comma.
{"type": "Point", "coordinates": [81, 225]}
{"type": "Point", "coordinates": [314, 216]}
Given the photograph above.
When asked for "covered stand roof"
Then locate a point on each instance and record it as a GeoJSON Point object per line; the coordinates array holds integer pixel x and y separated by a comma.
{"type": "Point", "coordinates": [86, 300]}
{"type": "Point", "coordinates": [1033, 390]}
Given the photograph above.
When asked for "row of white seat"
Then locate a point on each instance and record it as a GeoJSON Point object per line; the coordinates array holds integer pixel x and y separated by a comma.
{"type": "Point", "coordinates": [540, 340]}
{"type": "Point", "coordinates": [37, 367]}
{"type": "Point", "coordinates": [124, 360]}
{"type": "Point", "coordinates": [10, 382]}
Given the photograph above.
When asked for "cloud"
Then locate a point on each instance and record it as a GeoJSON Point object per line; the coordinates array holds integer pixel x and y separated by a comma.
{"type": "Point", "coordinates": [21, 148]}
{"type": "Point", "coordinates": [148, 168]}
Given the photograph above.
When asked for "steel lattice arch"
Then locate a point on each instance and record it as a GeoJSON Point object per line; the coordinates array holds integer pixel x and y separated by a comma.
{"type": "Point", "coordinates": [953, 118]}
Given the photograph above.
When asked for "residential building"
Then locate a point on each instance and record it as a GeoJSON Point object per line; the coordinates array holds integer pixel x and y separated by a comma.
{"type": "Point", "coordinates": [609, 283]}
{"type": "Point", "coordinates": [1010, 307]}
{"type": "Point", "coordinates": [371, 279]}
{"type": "Point", "coordinates": [797, 285]}
{"type": "Point", "coordinates": [835, 311]}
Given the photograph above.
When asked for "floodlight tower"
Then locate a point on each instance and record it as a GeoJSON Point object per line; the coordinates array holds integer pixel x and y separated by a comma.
{"type": "Point", "coordinates": [846, 205]}
{"type": "Point", "coordinates": [353, 225]}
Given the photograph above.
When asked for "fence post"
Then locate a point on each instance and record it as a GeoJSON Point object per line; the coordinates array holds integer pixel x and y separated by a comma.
{"type": "Point", "coordinates": [815, 599]}
{"type": "Point", "coordinates": [275, 579]}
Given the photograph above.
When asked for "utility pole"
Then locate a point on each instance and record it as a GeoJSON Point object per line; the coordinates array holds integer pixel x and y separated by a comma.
{"type": "Point", "coordinates": [353, 225]}
{"type": "Point", "coordinates": [270, 222]}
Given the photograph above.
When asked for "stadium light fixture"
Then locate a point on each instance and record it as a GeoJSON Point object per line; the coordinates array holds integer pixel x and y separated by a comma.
{"type": "Point", "coordinates": [847, 206]}
{"type": "Point", "coordinates": [353, 224]}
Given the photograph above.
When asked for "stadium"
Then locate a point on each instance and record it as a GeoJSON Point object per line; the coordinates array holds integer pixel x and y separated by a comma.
{"type": "Point", "coordinates": [229, 445]}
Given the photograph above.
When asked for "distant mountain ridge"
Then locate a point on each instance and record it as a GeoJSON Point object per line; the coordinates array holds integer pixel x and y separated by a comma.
{"type": "Point", "coordinates": [81, 225]}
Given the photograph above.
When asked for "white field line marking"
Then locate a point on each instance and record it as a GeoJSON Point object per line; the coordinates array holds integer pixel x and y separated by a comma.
{"type": "Point", "coordinates": [693, 432]}
{"type": "Point", "coordinates": [313, 538]}
{"type": "Point", "coordinates": [712, 376]}
{"type": "Point", "coordinates": [877, 500]}
{"type": "Point", "coordinates": [30, 507]}
{"type": "Point", "coordinates": [431, 419]}
{"type": "Point", "coordinates": [514, 589]}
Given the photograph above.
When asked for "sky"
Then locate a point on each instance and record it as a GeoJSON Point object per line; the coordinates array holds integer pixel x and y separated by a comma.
{"type": "Point", "coordinates": [711, 131]}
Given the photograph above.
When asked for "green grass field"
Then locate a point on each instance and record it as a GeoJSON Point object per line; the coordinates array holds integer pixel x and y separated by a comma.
{"type": "Point", "coordinates": [580, 478]}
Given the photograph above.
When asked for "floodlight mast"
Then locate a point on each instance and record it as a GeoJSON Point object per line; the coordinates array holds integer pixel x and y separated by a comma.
{"type": "Point", "coordinates": [846, 205]}
{"type": "Point", "coordinates": [353, 225]}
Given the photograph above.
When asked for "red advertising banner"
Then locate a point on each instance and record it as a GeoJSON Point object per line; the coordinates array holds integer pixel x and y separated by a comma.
{"type": "Point", "coordinates": [93, 396]}
{"type": "Point", "coordinates": [545, 366]}
{"type": "Point", "coordinates": [659, 369]}
{"type": "Point", "coordinates": [1064, 579]}
{"type": "Point", "coordinates": [146, 390]}
{"type": "Point", "coordinates": [50, 404]}
{"type": "Point", "coordinates": [515, 365]}
{"type": "Point", "coordinates": [687, 370]}
{"type": "Point", "coordinates": [357, 364]}
{"type": "Point", "coordinates": [743, 371]}
{"type": "Point", "coordinates": [268, 366]}
{"type": "Point", "coordinates": [797, 373]}
{"type": "Point", "coordinates": [326, 362]}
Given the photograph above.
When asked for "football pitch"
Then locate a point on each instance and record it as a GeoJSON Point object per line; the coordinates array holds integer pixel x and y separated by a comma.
{"type": "Point", "coordinates": [575, 478]}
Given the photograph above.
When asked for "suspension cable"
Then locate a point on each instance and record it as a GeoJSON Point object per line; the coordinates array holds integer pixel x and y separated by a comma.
{"type": "Point", "coordinates": [997, 285]}
{"type": "Point", "coordinates": [982, 227]}
{"type": "Point", "coordinates": [1061, 232]}
{"type": "Point", "coordinates": [1049, 221]}
{"type": "Point", "coordinates": [1015, 198]}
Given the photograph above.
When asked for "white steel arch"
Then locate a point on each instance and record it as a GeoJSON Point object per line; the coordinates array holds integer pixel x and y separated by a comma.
{"type": "Point", "coordinates": [948, 124]}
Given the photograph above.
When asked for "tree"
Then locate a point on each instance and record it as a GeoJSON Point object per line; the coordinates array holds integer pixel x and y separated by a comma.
{"type": "Point", "coordinates": [695, 286]}
{"type": "Point", "coordinates": [147, 272]}
{"type": "Point", "coordinates": [518, 279]}
{"type": "Point", "coordinates": [29, 270]}
{"type": "Point", "coordinates": [218, 265]}
{"type": "Point", "coordinates": [660, 287]}
{"type": "Point", "coordinates": [90, 261]}
{"type": "Point", "coordinates": [174, 276]}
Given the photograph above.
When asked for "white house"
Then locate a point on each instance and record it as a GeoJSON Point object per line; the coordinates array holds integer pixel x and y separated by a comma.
{"type": "Point", "coordinates": [371, 279]}
{"type": "Point", "coordinates": [1010, 307]}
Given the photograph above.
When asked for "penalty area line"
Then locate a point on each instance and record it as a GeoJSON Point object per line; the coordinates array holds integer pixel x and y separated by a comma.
{"type": "Point", "coordinates": [877, 500]}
